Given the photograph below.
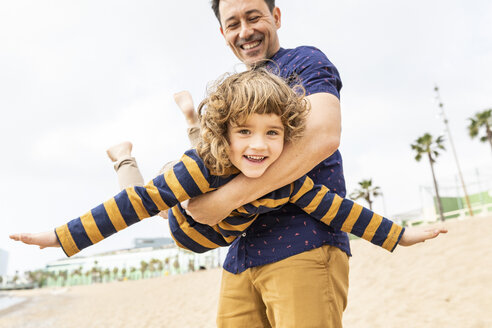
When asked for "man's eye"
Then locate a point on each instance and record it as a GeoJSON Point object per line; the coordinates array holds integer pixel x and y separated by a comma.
{"type": "Point", "coordinates": [254, 18]}
{"type": "Point", "coordinates": [232, 25]}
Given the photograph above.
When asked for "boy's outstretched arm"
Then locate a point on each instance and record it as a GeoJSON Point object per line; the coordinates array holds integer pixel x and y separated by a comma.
{"type": "Point", "coordinates": [186, 179]}
{"type": "Point", "coordinates": [412, 236]}
{"type": "Point", "coordinates": [345, 215]}
{"type": "Point", "coordinates": [41, 239]}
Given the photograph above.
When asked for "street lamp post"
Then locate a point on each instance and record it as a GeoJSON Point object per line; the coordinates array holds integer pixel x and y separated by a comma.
{"type": "Point", "coordinates": [445, 119]}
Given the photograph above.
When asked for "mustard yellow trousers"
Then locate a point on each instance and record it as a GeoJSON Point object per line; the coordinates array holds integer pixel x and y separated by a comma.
{"type": "Point", "coordinates": [305, 290]}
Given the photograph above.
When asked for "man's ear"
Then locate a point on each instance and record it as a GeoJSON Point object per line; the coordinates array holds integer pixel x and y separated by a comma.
{"type": "Point", "coordinates": [277, 15]}
{"type": "Point", "coordinates": [222, 32]}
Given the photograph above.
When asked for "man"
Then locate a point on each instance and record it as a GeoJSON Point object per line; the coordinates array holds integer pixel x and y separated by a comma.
{"type": "Point", "coordinates": [287, 270]}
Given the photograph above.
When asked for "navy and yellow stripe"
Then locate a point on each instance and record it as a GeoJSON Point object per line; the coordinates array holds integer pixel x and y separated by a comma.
{"type": "Point", "coordinates": [189, 178]}
{"type": "Point", "coordinates": [345, 215]}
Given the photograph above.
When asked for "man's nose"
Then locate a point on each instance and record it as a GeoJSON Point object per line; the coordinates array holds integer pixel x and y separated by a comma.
{"type": "Point", "coordinates": [246, 31]}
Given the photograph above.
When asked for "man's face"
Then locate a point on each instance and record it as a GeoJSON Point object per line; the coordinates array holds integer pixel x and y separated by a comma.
{"type": "Point", "coordinates": [250, 29]}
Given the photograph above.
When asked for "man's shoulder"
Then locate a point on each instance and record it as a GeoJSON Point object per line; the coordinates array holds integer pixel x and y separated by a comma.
{"type": "Point", "coordinates": [307, 49]}
{"type": "Point", "coordinates": [311, 67]}
{"type": "Point", "coordinates": [302, 52]}
{"type": "Point", "coordinates": [299, 58]}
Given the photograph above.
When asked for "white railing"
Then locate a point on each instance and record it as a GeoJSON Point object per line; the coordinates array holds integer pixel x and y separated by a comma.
{"type": "Point", "coordinates": [478, 210]}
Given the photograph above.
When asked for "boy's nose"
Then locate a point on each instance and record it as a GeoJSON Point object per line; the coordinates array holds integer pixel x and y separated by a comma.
{"type": "Point", "coordinates": [258, 143]}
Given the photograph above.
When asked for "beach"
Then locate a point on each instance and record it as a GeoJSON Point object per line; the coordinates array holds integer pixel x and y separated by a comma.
{"type": "Point", "coordinates": [446, 282]}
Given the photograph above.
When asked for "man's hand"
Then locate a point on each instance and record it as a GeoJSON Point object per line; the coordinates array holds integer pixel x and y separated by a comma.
{"type": "Point", "coordinates": [412, 236]}
{"type": "Point", "coordinates": [203, 210]}
{"type": "Point", "coordinates": [42, 239]}
{"type": "Point", "coordinates": [163, 214]}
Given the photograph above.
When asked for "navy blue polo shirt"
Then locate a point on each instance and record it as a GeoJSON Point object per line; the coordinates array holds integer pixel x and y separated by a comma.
{"type": "Point", "coordinates": [288, 231]}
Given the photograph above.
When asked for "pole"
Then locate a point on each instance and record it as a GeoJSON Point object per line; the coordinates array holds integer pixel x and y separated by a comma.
{"type": "Point", "coordinates": [445, 119]}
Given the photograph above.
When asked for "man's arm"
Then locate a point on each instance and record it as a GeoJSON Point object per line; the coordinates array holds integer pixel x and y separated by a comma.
{"type": "Point", "coordinates": [321, 139]}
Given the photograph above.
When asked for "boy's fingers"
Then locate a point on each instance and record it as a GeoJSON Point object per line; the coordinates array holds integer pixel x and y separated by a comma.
{"type": "Point", "coordinates": [23, 237]}
{"type": "Point", "coordinates": [17, 237]}
{"type": "Point", "coordinates": [435, 232]}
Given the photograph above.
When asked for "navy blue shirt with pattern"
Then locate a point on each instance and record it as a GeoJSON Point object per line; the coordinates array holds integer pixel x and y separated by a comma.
{"type": "Point", "coordinates": [277, 235]}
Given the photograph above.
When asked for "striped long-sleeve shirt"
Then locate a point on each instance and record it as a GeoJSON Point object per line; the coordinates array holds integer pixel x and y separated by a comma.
{"type": "Point", "coordinates": [190, 178]}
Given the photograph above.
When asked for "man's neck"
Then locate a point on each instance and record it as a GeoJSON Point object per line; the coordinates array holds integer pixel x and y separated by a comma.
{"type": "Point", "coordinates": [264, 61]}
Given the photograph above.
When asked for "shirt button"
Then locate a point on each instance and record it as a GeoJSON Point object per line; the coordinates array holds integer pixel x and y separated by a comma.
{"type": "Point", "coordinates": [243, 234]}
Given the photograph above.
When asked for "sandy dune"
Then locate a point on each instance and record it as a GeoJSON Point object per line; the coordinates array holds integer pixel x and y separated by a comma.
{"type": "Point", "coordinates": [445, 282]}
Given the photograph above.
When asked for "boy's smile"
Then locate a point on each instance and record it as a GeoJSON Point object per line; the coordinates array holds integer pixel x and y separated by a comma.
{"type": "Point", "coordinates": [256, 143]}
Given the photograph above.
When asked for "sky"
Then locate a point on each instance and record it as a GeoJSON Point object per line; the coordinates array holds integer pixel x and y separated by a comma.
{"type": "Point", "coordinates": [79, 76]}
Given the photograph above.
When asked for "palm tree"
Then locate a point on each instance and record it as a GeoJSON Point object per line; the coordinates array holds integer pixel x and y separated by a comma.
{"type": "Point", "coordinates": [481, 119]}
{"type": "Point", "coordinates": [191, 265]}
{"type": "Point", "coordinates": [96, 274]}
{"type": "Point", "coordinates": [77, 272]}
{"type": "Point", "coordinates": [106, 273]}
{"type": "Point", "coordinates": [153, 264]}
{"type": "Point", "coordinates": [143, 266]}
{"type": "Point", "coordinates": [427, 145]}
{"type": "Point", "coordinates": [176, 263]}
{"type": "Point", "coordinates": [367, 192]}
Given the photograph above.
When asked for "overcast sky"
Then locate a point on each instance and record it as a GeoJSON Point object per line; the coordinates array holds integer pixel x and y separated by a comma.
{"type": "Point", "coordinates": [79, 76]}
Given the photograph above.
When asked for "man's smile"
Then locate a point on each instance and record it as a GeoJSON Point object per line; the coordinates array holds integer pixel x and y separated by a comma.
{"type": "Point", "coordinates": [250, 45]}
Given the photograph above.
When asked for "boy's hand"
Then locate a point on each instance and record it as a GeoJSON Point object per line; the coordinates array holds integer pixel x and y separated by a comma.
{"type": "Point", "coordinates": [42, 239]}
{"type": "Point", "coordinates": [413, 236]}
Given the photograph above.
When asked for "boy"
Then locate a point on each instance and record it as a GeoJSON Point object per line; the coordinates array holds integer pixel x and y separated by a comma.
{"type": "Point", "coordinates": [244, 124]}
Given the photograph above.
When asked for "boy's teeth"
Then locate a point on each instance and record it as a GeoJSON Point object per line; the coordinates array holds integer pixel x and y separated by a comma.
{"type": "Point", "coordinates": [257, 158]}
{"type": "Point", "coordinates": [250, 45]}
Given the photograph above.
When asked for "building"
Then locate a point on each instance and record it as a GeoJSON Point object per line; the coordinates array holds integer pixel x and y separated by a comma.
{"type": "Point", "coordinates": [4, 259]}
{"type": "Point", "coordinates": [153, 242]}
{"type": "Point", "coordinates": [172, 258]}
{"type": "Point", "coordinates": [479, 189]}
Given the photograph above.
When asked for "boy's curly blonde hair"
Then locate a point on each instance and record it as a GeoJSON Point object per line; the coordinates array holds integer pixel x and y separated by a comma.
{"type": "Point", "coordinates": [233, 98]}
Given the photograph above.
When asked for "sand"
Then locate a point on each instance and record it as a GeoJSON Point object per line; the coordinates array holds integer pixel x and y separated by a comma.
{"type": "Point", "coordinates": [445, 282]}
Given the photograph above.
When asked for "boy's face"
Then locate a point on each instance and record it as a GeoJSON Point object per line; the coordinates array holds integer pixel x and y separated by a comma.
{"type": "Point", "coordinates": [256, 144]}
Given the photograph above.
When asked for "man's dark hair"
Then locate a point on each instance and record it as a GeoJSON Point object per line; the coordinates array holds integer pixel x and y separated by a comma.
{"type": "Point", "coordinates": [215, 7]}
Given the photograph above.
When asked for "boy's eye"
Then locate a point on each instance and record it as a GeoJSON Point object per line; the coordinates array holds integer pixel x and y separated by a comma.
{"type": "Point", "coordinates": [244, 131]}
{"type": "Point", "coordinates": [272, 133]}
